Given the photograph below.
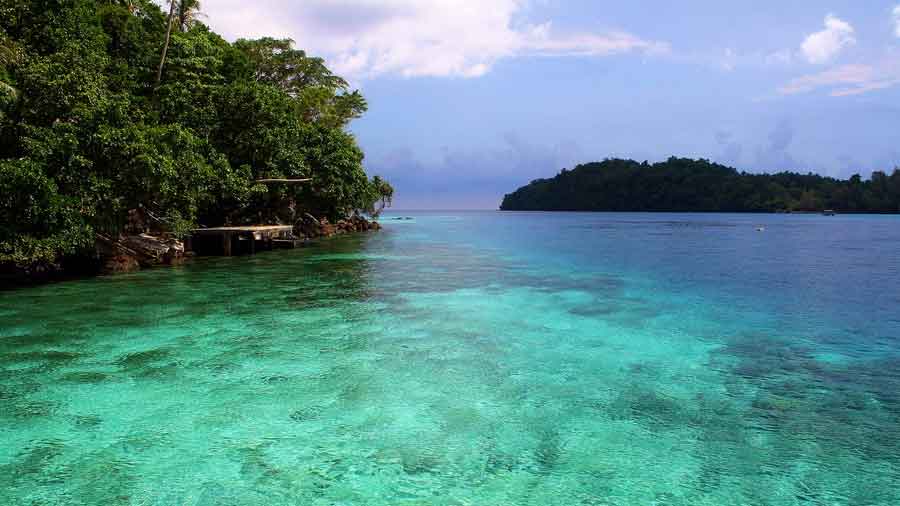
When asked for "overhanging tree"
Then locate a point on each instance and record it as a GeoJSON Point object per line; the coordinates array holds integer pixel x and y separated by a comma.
{"type": "Point", "coordinates": [104, 108]}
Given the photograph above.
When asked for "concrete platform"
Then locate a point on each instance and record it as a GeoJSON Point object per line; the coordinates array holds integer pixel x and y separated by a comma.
{"type": "Point", "coordinates": [228, 241]}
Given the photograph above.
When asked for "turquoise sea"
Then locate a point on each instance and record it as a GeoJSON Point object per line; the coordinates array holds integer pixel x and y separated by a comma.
{"type": "Point", "coordinates": [473, 358]}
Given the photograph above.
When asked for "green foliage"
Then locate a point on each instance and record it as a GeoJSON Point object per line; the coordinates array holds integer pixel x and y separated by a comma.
{"type": "Point", "coordinates": [87, 135]}
{"type": "Point", "coordinates": [37, 223]}
{"type": "Point", "coordinates": [332, 155]}
{"type": "Point", "coordinates": [9, 95]}
{"type": "Point", "coordinates": [320, 95]}
{"type": "Point", "coordinates": [680, 184]}
{"type": "Point", "coordinates": [381, 194]}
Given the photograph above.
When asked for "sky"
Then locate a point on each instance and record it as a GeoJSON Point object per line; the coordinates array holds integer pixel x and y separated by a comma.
{"type": "Point", "coordinates": [470, 99]}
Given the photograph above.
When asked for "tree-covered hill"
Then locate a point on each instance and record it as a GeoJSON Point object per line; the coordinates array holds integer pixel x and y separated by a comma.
{"type": "Point", "coordinates": [681, 184]}
{"type": "Point", "coordinates": [107, 106]}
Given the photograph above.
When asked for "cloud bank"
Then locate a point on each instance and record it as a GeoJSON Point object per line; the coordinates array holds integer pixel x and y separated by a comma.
{"type": "Point", "coordinates": [414, 38]}
{"type": "Point", "coordinates": [475, 177]}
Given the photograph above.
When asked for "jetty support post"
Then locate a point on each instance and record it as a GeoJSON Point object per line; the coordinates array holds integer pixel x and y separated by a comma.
{"type": "Point", "coordinates": [226, 244]}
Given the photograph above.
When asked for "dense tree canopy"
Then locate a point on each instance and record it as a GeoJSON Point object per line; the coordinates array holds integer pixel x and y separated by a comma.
{"type": "Point", "coordinates": [680, 184]}
{"type": "Point", "coordinates": [88, 134]}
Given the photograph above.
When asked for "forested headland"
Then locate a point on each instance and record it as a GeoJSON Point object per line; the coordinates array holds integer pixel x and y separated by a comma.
{"type": "Point", "coordinates": [681, 184]}
{"type": "Point", "coordinates": [113, 106]}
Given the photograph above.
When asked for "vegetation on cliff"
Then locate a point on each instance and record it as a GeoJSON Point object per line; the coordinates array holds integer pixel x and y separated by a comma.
{"type": "Point", "coordinates": [107, 106]}
{"type": "Point", "coordinates": [681, 184]}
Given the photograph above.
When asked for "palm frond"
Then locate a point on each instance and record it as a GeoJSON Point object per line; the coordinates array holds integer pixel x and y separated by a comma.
{"type": "Point", "coordinates": [8, 90]}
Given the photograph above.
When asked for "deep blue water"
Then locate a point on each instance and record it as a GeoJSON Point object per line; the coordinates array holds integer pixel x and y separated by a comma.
{"type": "Point", "coordinates": [473, 358]}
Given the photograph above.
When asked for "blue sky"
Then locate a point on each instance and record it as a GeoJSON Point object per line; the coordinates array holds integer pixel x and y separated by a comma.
{"type": "Point", "coordinates": [470, 99]}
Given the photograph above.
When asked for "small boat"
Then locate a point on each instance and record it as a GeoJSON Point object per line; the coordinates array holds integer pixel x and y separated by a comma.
{"type": "Point", "coordinates": [828, 212]}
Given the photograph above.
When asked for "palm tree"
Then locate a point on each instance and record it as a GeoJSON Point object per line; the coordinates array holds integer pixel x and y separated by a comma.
{"type": "Point", "coordinates": [7, 51]}
{"type": "Point", "coordinates": [8, 56]}
{"type": "Point", "coordinates": [131, 5]}
{"type": "Point", "coordinates": [165, 49]}
{"type": "Point", "coordinates": [188, 12]}
{"type": "Point", "coordinates": [7, 89]}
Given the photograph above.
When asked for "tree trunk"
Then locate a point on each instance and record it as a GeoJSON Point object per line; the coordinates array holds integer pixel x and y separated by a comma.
{"type": "Point", "coordinates": [162, 60]}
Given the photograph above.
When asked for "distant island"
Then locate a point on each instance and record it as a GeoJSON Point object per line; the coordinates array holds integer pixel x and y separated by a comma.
{"type": "Point", "coordinates": [687, 185]}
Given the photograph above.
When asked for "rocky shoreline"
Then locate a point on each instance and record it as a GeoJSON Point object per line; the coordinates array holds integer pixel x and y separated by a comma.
{"type": "Point", "coordinates": [310, 227]}
{"type": "Point", "coordinates": [134, 252]}
{"type": "Point", "coordinates": [137, 251]}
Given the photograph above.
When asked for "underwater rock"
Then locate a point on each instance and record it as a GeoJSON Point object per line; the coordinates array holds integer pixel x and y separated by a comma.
{"type": "Point", "coordinates": [144, 358]}
{"type": "Point", "coordinates": [306, 414]}
{"type": "Point", "coordinates": [85, 377]}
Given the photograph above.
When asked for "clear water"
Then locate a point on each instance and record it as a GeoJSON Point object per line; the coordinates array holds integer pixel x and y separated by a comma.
{"type": "Point", "coordinates": [473, 359]}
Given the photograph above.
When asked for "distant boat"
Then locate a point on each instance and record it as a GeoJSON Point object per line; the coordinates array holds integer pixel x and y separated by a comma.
{"type": "Point", "coordinates": [829, 212]}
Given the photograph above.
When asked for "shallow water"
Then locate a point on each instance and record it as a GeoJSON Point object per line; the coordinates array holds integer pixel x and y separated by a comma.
{"type": "Point", "coordinates": [473, 359]}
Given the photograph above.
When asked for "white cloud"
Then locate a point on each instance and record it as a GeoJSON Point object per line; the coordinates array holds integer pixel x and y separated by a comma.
{"type": "Point", "coordinates": [896, 14]}
{"type": "Point", "coordinates": [844, 75]}
{"type": "Point", "coordinates": [847, 80]}
{"type": "Point", "coordinates": [729, 59]}
{"type": "Point", "coordinates": [780, 57]}
{"type": "Point", "coordinates": [365, 38]}
{"type": "Point", "coordinates": [823, 46]}
{"type": "Point", "coordinates": [866, 87]}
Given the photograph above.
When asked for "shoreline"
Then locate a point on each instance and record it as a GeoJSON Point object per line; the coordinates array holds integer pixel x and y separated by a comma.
{"type": "Point", "coordinates": [123, 256]}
